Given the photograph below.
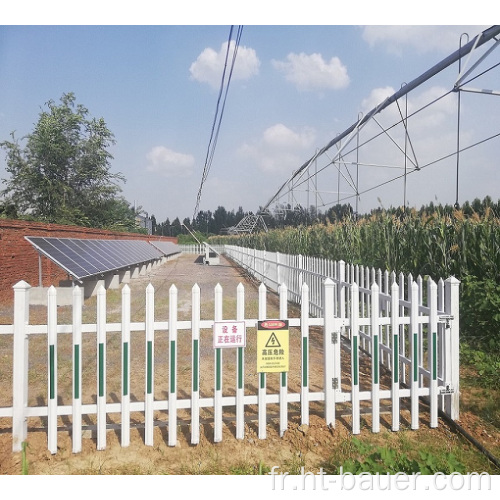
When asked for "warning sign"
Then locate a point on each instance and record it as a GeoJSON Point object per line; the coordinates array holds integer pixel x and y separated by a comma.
{"type": "Point", "coordinates": [229, 334]}
{"type": "Point", "coordinates": [272, 346]}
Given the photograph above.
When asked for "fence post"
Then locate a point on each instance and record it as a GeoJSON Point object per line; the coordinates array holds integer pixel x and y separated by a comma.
{"type": "Point", "coordinates": [240, 367]}
{"type": "Point", "coordinates": [278, 271]}
{"type": "Point", "coordinates": [432, 343]}
{"type": "Point", "coordinates": [262, 416]}
{"type": "Point", "coordinates": [355, 358]}
{"type": "Point", "coordinates": [172, 365]}
{"type": "Point", "coordinates": [414, 354]}
{"type": "Point", "coordinates": [101, 368]}
{"type": "Point", "coordinates": [52, 370]}
{"type": "Point", "coordinates": [195, 363]}
{"type": "Point", "coordinates": [283, 295]}
{"type": "Point", "coordinates": [452, 294]}
{"type": "Point", "coordinates": [375, 362]}
{"type": "Point", "coordinates": [77, 369]}
{"type": "Point", "coordinates": [125, 427]}
{"type": "Point", "coordinates": [341, 290]}
{"type": "Point", "coordinates": [149, 356]}
{"type": "Point", "coordinates": [301, 276]}
{"type": "Point", "coordinates": [264, 264]}
{"type": "Point", "coordinates": [328, 329]}
{"type": "Point", "coordinates": [20, 365]}
{"type": "Point", "coordinates": [218, 371]}
{"type": "Point", "coordinates": [395, 370]}
{"type": "Point", "coordinates": [304, 327]}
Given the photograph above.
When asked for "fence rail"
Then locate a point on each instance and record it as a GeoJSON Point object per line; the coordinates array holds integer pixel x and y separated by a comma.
{"type": "Point", "coordinates": [404, 306]}
{"type": "Point", "coordinates": [408, 330]}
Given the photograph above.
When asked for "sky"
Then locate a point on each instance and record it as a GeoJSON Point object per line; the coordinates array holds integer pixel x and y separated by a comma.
{"type": "Point", "coordinates": [294, 87]}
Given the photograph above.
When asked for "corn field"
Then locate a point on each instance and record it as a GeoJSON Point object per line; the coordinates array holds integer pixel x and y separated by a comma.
{"type": "Point", "coordinates": [455, 244]}
{"type": "Point", "coordinates": [432, 245]}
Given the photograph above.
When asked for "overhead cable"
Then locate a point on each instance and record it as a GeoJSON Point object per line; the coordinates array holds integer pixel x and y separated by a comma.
{"type": "Point", "coordinates": [223, 91]}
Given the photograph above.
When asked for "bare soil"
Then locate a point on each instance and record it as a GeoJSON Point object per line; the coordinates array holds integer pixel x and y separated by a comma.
{"type": "Point", "coordinates": [309, 446]}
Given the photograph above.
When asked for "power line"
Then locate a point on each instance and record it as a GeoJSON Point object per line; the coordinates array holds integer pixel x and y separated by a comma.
{"type": "Point", "coordinates": [223, 91]}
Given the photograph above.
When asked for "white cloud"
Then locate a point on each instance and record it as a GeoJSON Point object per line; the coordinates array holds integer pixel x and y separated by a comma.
{"type": "Point", "coordinates": [376, 97]}
{"type": "Point", "coordinates": [166, 162]}
{"type": "Point", "coordinates": [209, 66]}
{"type": "Point", "coordinates": [312, 72]}
{"type": "Point", "coordinates": [279, 149]}
{"type": "Point", "coordinates": [443, 39]}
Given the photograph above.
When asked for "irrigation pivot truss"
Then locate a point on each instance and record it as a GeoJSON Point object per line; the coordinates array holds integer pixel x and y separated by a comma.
{"type": "Point", "coordinates": [387, 144]}
{"type": "Point", "coordinates": [249, 224]}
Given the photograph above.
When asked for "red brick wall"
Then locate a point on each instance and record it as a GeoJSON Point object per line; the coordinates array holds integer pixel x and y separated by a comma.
{"type": "Point", "coordinates": [19, 259]}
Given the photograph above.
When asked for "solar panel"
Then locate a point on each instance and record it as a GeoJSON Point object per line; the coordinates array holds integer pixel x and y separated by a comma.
{"type": "Point", "coordinates": [83, 258]}
{"type": "Point", "coordinates": [166, 247]}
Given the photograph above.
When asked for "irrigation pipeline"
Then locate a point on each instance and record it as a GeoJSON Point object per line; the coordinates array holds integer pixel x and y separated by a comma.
{"type": "Point", "coordinates": [460, 430]}
{"type": "Point", "coordinates": [451, 423]}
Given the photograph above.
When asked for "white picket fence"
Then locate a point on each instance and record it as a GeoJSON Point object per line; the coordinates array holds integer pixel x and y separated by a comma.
{"type": "Point", "coordinates": [409, 331]}
{"type": "Point", "coordinates": [192, 249]}
{"type": "Point", "coordinates": [401, 322]}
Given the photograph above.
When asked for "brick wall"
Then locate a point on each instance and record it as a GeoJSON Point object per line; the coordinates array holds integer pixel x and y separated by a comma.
{"type": "Point", "coordinates": [19, 259]}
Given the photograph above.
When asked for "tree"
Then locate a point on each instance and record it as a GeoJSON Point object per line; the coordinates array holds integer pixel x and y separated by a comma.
{"type": "Point", "coordinates": [153, 224]}
{"type": "Point", "coordinates": [61, 170]}
{"type": "Point", "coordinates": [176, 227]}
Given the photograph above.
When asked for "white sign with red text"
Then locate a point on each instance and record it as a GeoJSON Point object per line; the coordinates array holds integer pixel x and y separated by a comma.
{"type": "Point", "coordinates": [229, 334]}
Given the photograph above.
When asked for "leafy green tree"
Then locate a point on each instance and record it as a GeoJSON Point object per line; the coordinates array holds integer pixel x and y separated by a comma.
{"type": "Point", "coordinates": [176, 227]}
{"type": "Point", "coordinates": [8, 211]}
{"type": "Point", "coordinates": [116, 214]}
{"type": "Point", "coordinates": [60, 172]}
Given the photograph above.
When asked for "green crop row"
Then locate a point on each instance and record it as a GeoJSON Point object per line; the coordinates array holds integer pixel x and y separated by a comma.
{"type": "Point", "coordinates": [437, 245]}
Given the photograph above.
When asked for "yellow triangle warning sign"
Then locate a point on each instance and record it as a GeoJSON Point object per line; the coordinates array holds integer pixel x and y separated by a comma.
{"type": "Point", "coordinates": [273, 341]}
{"type": "Point", "coordinates": [272, 347]}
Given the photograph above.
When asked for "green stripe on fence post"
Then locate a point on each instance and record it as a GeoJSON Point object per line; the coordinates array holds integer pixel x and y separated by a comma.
{"type": "Point", "coordinates": [101, 369]}
{"type": "Point", "coordinates": [375, 360]}
{"type": "Point", "coordinates": [415, 357]}
{"type": "Point", "coordinates": [52, 371]}
{"type": "Point", "coordinates": [125, 369]}
{"type": "Point", "coordinates": [76, 370]}
{"type": "Point", "coordinates": [395, 368]}
{"type": "Point", "coordinates": [150, 367]}
{"type": "Point", "coordinates": [240, 367]}
{"type": "Point", "coordinates": [195, 365]}
{"type": "Point", "coordinates": [434, 356]}
{"type": "Point", "coordinates": [172, 367]}
{"type": "Point", "coordinates": [304, 361]}
{"type": "Point", "coordinates": [355, 360]}
{"type": "Point", "coordinates": [218, 369]}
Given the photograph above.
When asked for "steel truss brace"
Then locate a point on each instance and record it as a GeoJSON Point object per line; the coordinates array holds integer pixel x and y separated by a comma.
{"type": "Point", "coordinates": [482, 38]}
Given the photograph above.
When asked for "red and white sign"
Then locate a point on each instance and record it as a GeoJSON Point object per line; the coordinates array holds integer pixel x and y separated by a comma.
{"type": "Point", "coordinates": [229, 334]}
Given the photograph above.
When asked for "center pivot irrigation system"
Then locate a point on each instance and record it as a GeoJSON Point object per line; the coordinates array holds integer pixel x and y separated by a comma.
{"type": "Point", "coordinates": [391, 122]}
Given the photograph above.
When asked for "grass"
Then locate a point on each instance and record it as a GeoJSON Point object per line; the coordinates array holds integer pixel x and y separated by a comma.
{"type": "Point", "coordinates": [24, 460]}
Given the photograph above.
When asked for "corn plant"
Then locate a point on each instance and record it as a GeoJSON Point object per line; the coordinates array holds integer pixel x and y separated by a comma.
{"type": "Point", "coordinates": [434, 242]}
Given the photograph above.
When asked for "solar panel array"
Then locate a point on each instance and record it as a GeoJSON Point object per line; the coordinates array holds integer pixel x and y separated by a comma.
{"type": "Point", "coordinates": [166, 247]}
{"type": "Point", "coordinates": [83, 258]}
